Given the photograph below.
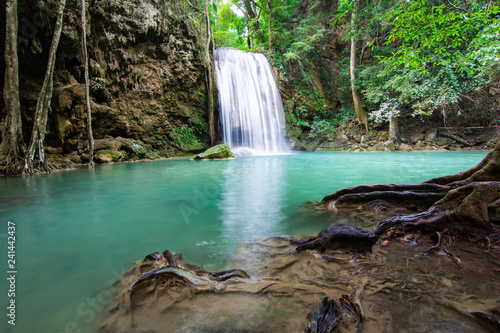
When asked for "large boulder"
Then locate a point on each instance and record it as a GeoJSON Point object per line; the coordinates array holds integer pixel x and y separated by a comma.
{"type": "Point", "coordinates": [216, 153]}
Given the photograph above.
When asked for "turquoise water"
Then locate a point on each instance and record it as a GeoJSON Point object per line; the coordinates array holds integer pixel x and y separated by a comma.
{"type": "Point", "coordinates": [76, 232]}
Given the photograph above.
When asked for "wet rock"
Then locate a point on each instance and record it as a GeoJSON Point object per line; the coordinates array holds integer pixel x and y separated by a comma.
{"type": "Point", "coordinates": [339, 236]}
{"type": "Point", "coordinates": [216, 152]}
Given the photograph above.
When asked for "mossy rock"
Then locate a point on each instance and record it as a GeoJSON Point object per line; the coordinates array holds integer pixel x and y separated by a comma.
{"type": "Point", "coordinates": [108, 156]}
{"type": "Point", "coordinates": [216, 152]}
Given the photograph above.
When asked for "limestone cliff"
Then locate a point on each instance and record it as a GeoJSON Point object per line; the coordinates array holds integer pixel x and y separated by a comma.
{"type": "Point", "coordinates": [146, 70]}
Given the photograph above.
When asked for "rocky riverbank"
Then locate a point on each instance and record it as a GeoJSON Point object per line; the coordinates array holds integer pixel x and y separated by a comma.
{"type": "Point", "coordinates": [350, 137]}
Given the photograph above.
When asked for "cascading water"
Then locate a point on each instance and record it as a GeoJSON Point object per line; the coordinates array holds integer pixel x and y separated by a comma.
{"type": "Point", "coordinates": [250, 103]}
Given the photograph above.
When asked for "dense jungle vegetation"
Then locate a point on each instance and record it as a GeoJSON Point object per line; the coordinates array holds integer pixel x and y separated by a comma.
{"type": "Point", "coordinates": [406, 58]}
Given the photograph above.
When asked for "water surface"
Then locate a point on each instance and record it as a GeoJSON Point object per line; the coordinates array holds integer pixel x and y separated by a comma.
{"type": "Point", "coordinates": [78, 231]}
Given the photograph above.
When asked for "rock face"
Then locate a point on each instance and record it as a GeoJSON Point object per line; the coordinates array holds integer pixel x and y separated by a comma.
{"type": "Point", "coordinates": [147, 76]}
{"type": "Point", "coordinates": [216, 152]}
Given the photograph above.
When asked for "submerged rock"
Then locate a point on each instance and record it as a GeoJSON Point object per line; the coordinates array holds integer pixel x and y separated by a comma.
{"type": "Point", "coordinates": [215, 153]}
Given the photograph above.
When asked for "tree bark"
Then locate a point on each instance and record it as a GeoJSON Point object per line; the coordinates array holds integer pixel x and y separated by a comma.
{"type": "Point", "coordinates": [254, 18]}
{"type": "Point", "coordinates": [394, 129]}
{"type": "Point", "coordinates": [210, 84]}
{"type": "Point", "coordinates": [270, 4]}
{"type": "Point", "coordinates": [12, 148]}
{"type": "Point", "coordinates": [87, 87]}
{"type": "Point", "coordinates": [43, 106]}
{"type": "Point", "coordinates": [361, 114]}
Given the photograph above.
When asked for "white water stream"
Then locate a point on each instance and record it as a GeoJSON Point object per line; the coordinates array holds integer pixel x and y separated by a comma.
{"type": "Point", "coordinates": [250, 103]}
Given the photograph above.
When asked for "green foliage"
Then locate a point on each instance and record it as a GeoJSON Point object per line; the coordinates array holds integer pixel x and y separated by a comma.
{"type": "Point", "coordinates": [431, 53]}
{"type": "Point", "coordinates": [97, 84]}
{"type": "Point", "coordinates": [343, 116]}
{"type": "Point", "coordinates": [321, 128]}
{"type": "Point", "coordinates": [386, 112]}
{"type": "Point", "coordinates": [414, 57]}
{"type": "Point", "coordinates": [433, 33]}
{"type": "Point", "coordinates": [138, 149]}
{"type": "Point", "coordinates": [244, 24]}
{"type": "Point", "coordinates": [225, 151]}
{"type": "Point", "coordinates": [184, 135]}
{"type": "Point", "coordinates": [230, 29]}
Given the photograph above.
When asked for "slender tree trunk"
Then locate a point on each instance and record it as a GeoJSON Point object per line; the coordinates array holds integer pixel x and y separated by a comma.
{"type": "Point", "coordinates": [87, 93]}
{"type": "Point", "coordinates": [362, 116]}
{"type": "Point", "coordinates": [43, 105]}
{"type": "Point", "coordinates": [12, 147]}
{"type": "Point", "coordinates": [270, 3]}
{"type": "Point", "coordinates": [210, 85]}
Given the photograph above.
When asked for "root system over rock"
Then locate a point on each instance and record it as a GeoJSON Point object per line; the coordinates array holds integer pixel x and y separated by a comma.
{"type": "Point", "coordinates": [463, 203]}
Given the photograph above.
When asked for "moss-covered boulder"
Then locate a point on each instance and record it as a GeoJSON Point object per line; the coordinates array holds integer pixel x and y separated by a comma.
{"type": "Point", "coordinates": [108, 156]}
{"type": "Point", "coordinates": [216, 152]}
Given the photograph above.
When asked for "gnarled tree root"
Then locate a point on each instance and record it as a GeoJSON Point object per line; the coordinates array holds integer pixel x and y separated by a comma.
{"type": "Point", "coordinates": [466, 202]}
{"type": "Point", "coordinates": [338, 236]}
{"type": "Point", "coordinates": [464, 209]}
{"type": "Point", "coordinates": [331, 314]}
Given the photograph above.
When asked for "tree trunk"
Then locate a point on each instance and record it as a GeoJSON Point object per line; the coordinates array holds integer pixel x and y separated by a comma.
{"type": "Point", "coordinates": [270, 4]}
{"type": "Point", "coordinates": [12, 148]}
{"type": "Point", "coordinates": [460, 203]}
{"type": "Point", "coordinates": [393, 129]}
{"type": "Point", "coordinates": [43, 106]}
{"type": "Point", "coordinates": [87, 87]}
{"type": "Point", "coordinates": [253, 18]}
{"type": "Point", "coordinates": [210, 84]}
{"type": "Point", "coordinates": [362, 116]}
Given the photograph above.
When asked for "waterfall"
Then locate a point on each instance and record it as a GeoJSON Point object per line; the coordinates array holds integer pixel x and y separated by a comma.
{"type": "Point", "coordinates": [250, 104]}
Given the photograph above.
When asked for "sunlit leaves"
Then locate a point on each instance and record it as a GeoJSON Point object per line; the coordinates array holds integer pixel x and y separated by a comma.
{"type": "Point", "coordinates": [429, 34]}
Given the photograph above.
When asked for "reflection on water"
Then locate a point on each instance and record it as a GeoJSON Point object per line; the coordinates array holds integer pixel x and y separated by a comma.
{"type": "Point", "coordinates": [252, 199]}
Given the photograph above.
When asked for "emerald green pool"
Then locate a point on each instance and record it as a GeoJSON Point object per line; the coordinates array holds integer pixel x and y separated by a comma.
{"type": "Point", "coordinates": [77, 231]}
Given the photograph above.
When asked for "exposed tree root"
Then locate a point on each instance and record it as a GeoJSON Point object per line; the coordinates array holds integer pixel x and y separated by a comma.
{"type": "Point", "coordinates": [37, 168]}
{"type": "Point", "coordinates": [372, 192]}
{"type": "Point", "coordinates": [18, 168]}
{"type": "Point", "coordinates": [338, 236]}
{"type": "Point", "coordinates": [467, 202]}
{"type": "Point", "coordinates": [462, 209]}
{"type": "Point", "coordinates": [331, 315]}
